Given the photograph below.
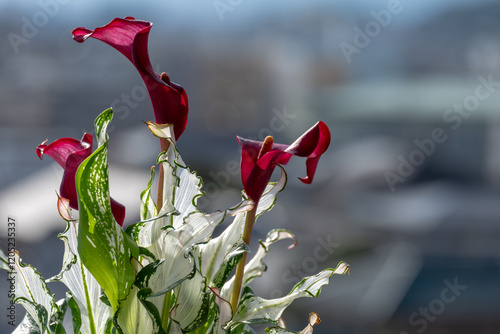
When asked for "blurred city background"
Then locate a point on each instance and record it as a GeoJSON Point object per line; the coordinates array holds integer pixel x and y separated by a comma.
{"type": "Point", "coordinates": [408, 193]}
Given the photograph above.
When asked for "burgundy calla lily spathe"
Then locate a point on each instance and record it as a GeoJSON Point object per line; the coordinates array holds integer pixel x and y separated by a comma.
{"type": "Point", "coordinates": [256, 171]}
{"type": "Point", "coordinates": [130, 37]}
{"type": "Point", "coordinates": [69, 153]}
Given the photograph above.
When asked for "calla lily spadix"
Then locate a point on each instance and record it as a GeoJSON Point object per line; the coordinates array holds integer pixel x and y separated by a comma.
{"type": "Point", "coordinates": [257, 165]}
{"type": "Point", "coordinates": [69, 154]}
{"type": "Point", "coordinates": [130, 37]}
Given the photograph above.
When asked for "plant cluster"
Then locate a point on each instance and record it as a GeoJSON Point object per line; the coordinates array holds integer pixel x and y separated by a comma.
{"type": "Point", "coordinates": [166, 273]}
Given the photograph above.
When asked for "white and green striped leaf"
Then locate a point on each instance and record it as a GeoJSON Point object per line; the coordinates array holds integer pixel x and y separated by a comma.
{"type": "Point", "coordinates": [148, 208]}
{"type": "Point", "coordinates": [181, 187]}
{"type": "Point", "coordinates": [133, 317]}
{"type": "Point", "coordinates": [176, 263]}
{"type": "Point", "coordinates": [313, 321]}
{"type": "Point", "coordinates": [27, 326]}
{"type": "Point", "coordinates": [268, 198]}
{"type": "Point", "coordinates": [4, 261]}
{"type": "Point", "coordinates": [218, 257]}
{"type": "Point", "coordinates": [256, 267]}
{"type": "Point", "coordinates": [32, 293]}
{"type": "Point", "coordinates": [241, 329]}
{"type": "Point", "coordinates": [192, 305]}
{"type": "Point", "coordinates": [253, 309]}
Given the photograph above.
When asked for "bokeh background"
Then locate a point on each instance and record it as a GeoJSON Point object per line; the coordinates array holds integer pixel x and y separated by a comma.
{"type": "Point", "coordinates": [408, 193]}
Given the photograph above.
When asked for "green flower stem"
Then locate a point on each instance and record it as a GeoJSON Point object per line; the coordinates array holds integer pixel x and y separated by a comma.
{"type": "Point", "coordinates": [165, 144]}
{"type": "Point", "coordinates": [240, 268]}
{"type": "Point", "coordinates": [165, 312]}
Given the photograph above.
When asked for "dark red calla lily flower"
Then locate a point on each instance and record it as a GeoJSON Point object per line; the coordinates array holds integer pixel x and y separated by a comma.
{"type": "Point", "coordinates": [69, 153]}
{"type": "Point", "coordinates": [130, 37]}
{"type": "Point", "coordinates": [257, 166]}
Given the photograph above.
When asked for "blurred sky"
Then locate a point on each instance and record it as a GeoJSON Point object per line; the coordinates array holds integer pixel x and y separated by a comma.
{"type": "Point", "coordinates": [194, 13]}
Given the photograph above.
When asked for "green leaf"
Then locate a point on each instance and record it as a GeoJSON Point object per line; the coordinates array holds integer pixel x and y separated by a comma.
{"type": "Point", "coordinates": [76, 316]}
{"type": "Point", "coordinates": [85, 290]}
{"type": "Point", "coordinates": [105, 249]}
{"type": "Point", "coordinates": [253, 309]}
{"type": "Point", "coordinates": [56, 322]}
{"type": "Point", "coordinates": [101, 124]}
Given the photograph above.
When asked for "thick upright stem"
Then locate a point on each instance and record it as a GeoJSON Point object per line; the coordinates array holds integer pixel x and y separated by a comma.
{"type": "Point", "coordinates": [240, 268]}
{"type": "Point", "coordinates": [165, 144]}
{"type": "Point", "coordinates": [165, 312]}
{"type": "Point", "coordinates": [165, 316]}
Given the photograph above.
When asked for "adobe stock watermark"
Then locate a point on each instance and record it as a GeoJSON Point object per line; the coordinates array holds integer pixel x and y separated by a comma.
{"type": "Point", "coordinates": [126, 102]}
{"type": "Point", "coordinates": [11, 292]}
{"type": "Point", "coordinates": [31, 26]}
{"type": "Point", "coordinates": [223, 6]}
{"type": "Point", "coordinates": [363, 37]}
{"type": "Point", "coordinates": [310, 265]}
{"type": "Point", "coordinates": [449, 294]}
{"type": "Point", "coordinates": [220, 180]}
{"type": "Point", "coordinates": [453, 117]}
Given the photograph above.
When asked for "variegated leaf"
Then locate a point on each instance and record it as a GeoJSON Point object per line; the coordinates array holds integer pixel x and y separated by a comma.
{"type": "Point", "coordinates": [133, 317]}
{"type": "Point", "coordinates": [32, 293]}
{"type": "Point", "coordinates": [253, 309]}
{"type": "Point", "coordinates": [256, 267]}
{"type": "Point", "coordinates": [4, 261]}
{"type": "Point", "coordinates": [192, 305]}
{"type": "Point", "coordinates": [148, 208]}
{"type": "Point", "coordinates": [313, 321]}
{"type": "Point", "coordinates": [27, 326]}
{"type": "Point", "coordinates": [181, 187]}
{"type": "Point", "coordinates": [268, 198]}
